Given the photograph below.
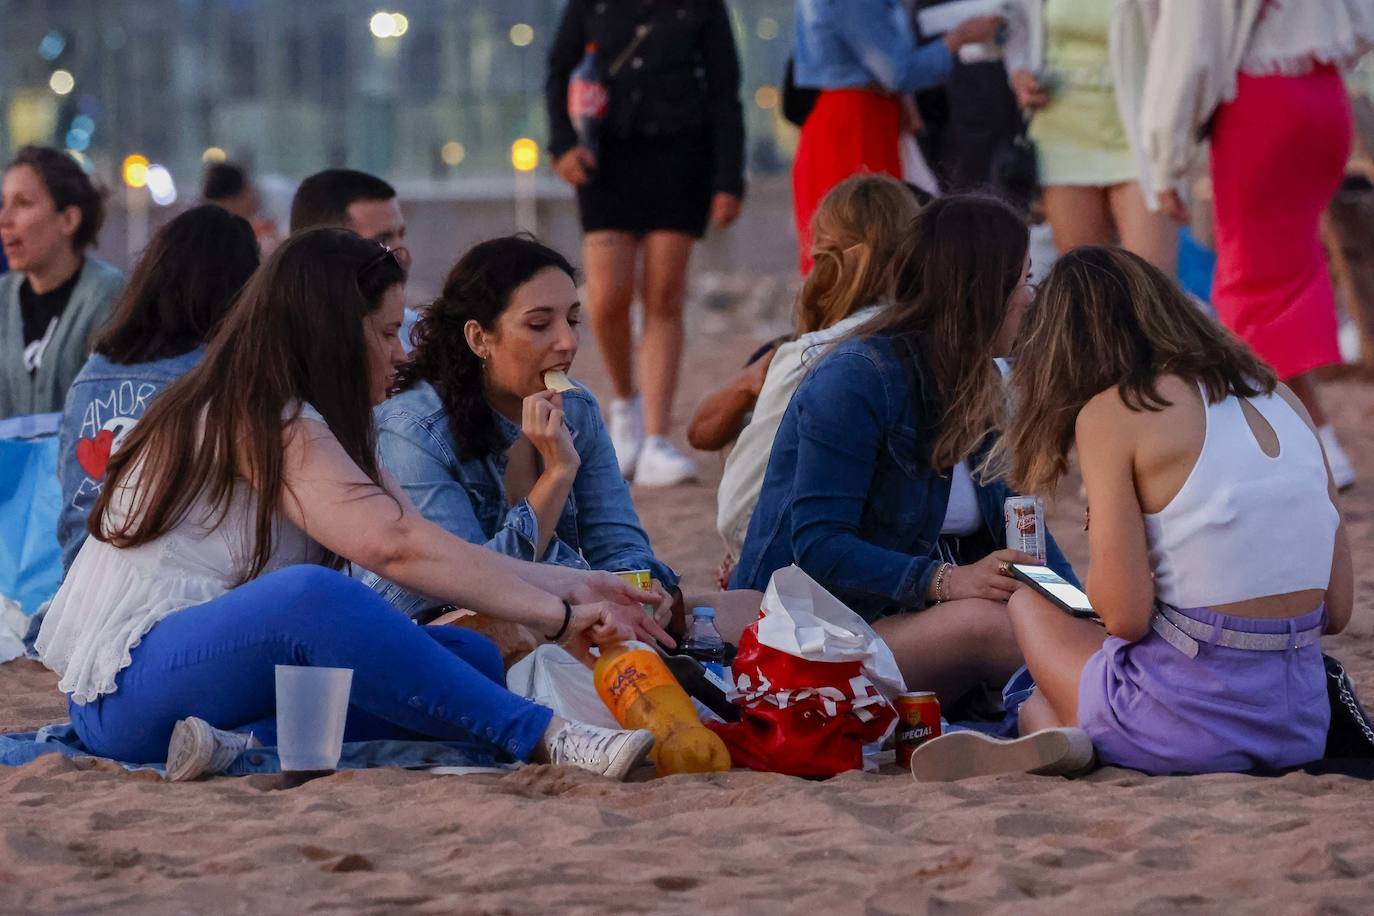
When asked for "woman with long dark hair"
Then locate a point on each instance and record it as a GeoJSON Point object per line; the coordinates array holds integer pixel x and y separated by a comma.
{"type": "Point", "coordinates": [181, 288]}
{"type": "Point", "coordinates": [230, 509]}
{"type": "Point", "coordinates": [55, 293]}
{"type": "Point", "coordinates": [481, 444]}
{"type": "Point", "coordinates": [1218, 556]}
{"type": "Point", "coordinates": [876, 486]}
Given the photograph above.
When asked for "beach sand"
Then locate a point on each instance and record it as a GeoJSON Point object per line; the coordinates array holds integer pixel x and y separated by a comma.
{"type": "Point", "coordinates": [85, 837]}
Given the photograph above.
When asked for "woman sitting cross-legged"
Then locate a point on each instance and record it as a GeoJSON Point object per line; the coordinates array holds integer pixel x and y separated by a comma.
{"type": "Point", "coordinates": [1218, 556]}
{"type": "Point", "coordinates": [875, 486]}
{"type": "Point", "coordinates": [481, 444]}
{"type": "Point", "coordinates": [226, 514]}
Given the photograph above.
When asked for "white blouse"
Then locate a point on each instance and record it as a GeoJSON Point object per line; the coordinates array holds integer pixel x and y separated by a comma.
{"type": "Point", "coordinates": [113, 596]}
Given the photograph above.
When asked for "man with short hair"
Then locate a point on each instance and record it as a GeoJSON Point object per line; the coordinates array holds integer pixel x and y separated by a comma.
{"type": "Point", "coordinates": [229, 186]}
{"type": "Point", "coordinates": [352, 200]}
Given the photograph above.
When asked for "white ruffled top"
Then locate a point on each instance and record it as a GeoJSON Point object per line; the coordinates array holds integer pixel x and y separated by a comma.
{"type": "Point", "coordinates": [113, 596]}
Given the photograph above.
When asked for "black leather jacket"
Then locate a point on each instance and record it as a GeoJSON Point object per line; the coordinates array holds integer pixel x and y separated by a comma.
{"type": "Point", "coordinates": [680, 76]}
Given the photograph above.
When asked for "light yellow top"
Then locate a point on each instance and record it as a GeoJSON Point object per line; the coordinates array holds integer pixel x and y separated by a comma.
{"type": "Point", "coordinates": [1079, 135]}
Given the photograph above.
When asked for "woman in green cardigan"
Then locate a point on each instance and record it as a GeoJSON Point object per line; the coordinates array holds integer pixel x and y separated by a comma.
{"type": "Point", "coordinates": [54, 296]}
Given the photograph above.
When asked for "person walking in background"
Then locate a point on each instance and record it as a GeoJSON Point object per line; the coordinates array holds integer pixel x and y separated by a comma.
{"type": "Point", "coordinates": [180, 289]}
{"type": "Point", "coordinates": [669, 160]}
{"type": "Point", "coordinates": [1263, 76]}
{"type": "Point", "coordinates": [54, 294]}
{"type": "Point", "coordinates": [1089, 173]}
{"type": "Point", "coordinates": [862, 55]}
{"type": "Point", "coordinates": [228, 185]}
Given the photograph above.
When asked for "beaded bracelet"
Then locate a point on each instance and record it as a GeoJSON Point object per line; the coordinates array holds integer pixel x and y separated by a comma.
{"type": "Point", "coordinates": [940, 575]}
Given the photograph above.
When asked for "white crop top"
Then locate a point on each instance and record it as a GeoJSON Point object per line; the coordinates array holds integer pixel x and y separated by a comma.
{"type": "Point", "coordinates": [1245, 525]}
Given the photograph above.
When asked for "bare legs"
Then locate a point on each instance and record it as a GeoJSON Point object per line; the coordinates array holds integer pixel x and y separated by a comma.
{"type": "Point", "coordinates": [1089, 215]}
{"type": "Point", "coordinates": [660, 352]}
{"type": "Point", "coordinates": [1305, 387]}
{"type": "Point", "coordinates": [952, 647]}
{"type": "Point", "coordinates": [1056, 647]}
{"type": "Point", "coordinates": [609, 259]}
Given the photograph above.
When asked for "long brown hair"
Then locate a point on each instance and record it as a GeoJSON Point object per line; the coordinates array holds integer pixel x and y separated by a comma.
{"type": "Point", "coordinates": [1106, 318]}
{"type": "Point", "coordinates": [479, 288]}
{"type": "Point", "coordinates": [295, 334]}
{"type": "Point", "coordinates": [964, 257]}
{"type": "Point", "coordinates": [858, 231]}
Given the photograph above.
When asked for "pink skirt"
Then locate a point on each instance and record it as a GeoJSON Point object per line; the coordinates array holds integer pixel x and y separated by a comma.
{"type": "Point", "coordinates": [1278, 154]}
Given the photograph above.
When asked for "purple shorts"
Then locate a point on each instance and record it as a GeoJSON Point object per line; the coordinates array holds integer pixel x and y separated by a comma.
{"type": "Point", "coordinates": [1150, 707]}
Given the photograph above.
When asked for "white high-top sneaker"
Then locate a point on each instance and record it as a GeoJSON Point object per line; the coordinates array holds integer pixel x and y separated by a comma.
{"type": "Point", "coordinates": [625, 421]}
{"type": "Point", "coordinates": [605, 751]}
{"type": "Point", "coordinates": [662, 465]}
{"type": "Point", "coordinates": [1342, 471]}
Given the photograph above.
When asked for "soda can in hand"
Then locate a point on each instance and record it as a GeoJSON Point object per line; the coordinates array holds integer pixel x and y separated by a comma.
{"type": "Point", "coordinates": [1025, 520]}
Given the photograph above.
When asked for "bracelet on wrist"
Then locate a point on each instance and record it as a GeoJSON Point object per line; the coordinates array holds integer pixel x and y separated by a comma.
{"type": "Point", "coordinates": [567, 620]}
{"type": "Point", "coordinates": [941, 581]}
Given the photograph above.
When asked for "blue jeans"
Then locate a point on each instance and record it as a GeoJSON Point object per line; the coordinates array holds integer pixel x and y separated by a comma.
{"type": "Point", "coordinates": [216, 661]}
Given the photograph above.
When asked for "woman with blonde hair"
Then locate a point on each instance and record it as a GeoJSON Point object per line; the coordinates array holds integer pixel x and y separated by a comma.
{"type": "Point", "coordinates": [857, 233]}
{"type": "Point", "coordinates": [1218, 556]}
{"type": "Point", "coordinates": [875, 486]}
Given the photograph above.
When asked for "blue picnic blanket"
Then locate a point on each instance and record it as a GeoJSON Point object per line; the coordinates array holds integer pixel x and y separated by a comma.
{"type": "Point", "coordinates": [61, 738]}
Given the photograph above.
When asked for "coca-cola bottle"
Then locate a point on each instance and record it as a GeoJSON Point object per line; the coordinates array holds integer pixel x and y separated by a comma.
{"type": "Point", "coordinates": [588, 99]}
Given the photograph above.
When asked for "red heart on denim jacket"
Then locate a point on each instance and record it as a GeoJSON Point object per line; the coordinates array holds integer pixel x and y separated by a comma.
{"type": "Point", "coordinates": [94, 454]}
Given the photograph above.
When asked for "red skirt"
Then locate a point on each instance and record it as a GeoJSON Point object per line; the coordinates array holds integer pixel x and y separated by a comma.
{"type": "Point", "coordinates": [1278, 154]}
{"type": "Point", "coordinates": [849, 131]}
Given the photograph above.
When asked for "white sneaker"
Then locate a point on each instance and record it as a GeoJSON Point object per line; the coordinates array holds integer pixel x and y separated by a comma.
{"type": "Point", "coordinates": [1342, 471]}
{"type": "Point", "coordinates": [198, 748]}
{"type": "Point", "coordinates": [605, 751]}
{"type": "Point", "coordinates": [662, 465]}
{"type": "Point", "coordinates": [959, 755]}
{"type": "Point", "coordinates": [626, 423]}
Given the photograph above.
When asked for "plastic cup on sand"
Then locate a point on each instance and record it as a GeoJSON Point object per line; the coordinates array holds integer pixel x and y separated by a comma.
{"type": "Point", "coordinates": [312, 706]}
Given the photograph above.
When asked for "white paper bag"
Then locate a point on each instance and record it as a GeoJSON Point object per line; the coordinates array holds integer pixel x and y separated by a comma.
{"type": "Point", "coordinates": [802, 619]}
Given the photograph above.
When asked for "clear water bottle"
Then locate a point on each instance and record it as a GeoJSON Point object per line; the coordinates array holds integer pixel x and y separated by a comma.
{"type": "Point", "coordinates": [704, 643]}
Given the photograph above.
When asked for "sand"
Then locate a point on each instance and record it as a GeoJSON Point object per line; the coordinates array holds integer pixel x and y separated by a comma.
{"type": "Point", "coordinates": [89, 837]}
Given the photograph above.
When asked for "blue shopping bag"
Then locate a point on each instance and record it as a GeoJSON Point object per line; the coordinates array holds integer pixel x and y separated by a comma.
{"type": "Point", "coordinates": [30, 499]}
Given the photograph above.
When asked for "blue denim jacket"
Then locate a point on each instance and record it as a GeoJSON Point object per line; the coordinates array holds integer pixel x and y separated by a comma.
{"type": "Point", "coordinates": [844, 44]}
{"type": "Point", "coordinates": [849, 495]}
{"type": "Point", "coordinates": [103, 404]}
{"type": "Point", "coordinates": [598, 529]}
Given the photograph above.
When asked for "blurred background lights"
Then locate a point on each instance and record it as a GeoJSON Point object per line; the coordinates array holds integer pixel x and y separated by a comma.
{"type": "Point", "coordinates": [61, 82]}
{"type": "Point", "coordinates": [766, 97]}
{"type": "Point", "coordinates": [82, 160]}
{"type": "Point", "coordinates": [453, 153]}
{"type": "Point", "coordinates": [388, 25]}
{"type": "Point", "coordinates": [78, 140]}
{"type": "Point", "coordinates": [524, 155]}
{"type": "Point", "coordinates": [52, 46]}
{"type": "Point", "coordinates": [135, 170]}
{"type": "Point", "coordinates": [84, 124]}
{"type": "Point", "coordinates": [161, 186]}
{"type": "Point", "coordinates": [768, 28]}
{"type": "Point", "coordinates": [522, 34]}
{"type": "Point", "coordinates": [213, 154]}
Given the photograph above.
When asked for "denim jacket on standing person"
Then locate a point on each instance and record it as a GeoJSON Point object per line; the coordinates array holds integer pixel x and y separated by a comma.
{"type": "Point", "coordinates": [850, 44]}
{"type": "Point", "coordinates": [103, 404]}
{"type": "Point", "coordinates": [850, 496]}
{"type": "Point", "coordinates": [598, 529]}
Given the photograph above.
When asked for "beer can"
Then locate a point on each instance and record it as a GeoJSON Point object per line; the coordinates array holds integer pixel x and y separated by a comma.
{"type": "Point", "coordinates": [918, 720]}
{"type": "Point", "coordinates": [1025, 520]}
{"type": "Point", "coordinates": [640, 578]}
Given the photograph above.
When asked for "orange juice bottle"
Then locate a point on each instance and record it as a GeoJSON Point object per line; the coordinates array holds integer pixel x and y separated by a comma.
{"type": "Point", "coordinates": [640, 691]}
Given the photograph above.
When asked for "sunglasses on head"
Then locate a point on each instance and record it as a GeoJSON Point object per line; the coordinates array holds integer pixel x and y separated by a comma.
{"type": "Point", "coordinates": [399, 256]}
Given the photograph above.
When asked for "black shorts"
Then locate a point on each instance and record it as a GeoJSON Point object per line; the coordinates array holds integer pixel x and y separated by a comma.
{"type": "Point", "coordinates": [647, 184]}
